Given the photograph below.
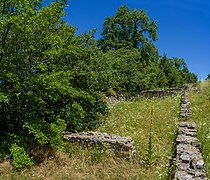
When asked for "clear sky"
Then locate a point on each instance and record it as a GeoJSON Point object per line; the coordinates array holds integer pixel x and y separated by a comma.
{"type": "Point", "coordinates": [183, 25]}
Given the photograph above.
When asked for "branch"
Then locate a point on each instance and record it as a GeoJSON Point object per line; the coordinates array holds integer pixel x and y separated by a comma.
{"type": "Point", "coordinates": [11, 42]}
{"type": "Point", "coordinates": [5, 34]}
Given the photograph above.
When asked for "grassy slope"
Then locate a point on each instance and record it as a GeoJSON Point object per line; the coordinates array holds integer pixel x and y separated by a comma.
{"type": "Point", "coordinates": [133, 119]}
{"type": "Point", "coordinates": [200, 104]}
{"type": "Point", "coordinates": [128, 119]}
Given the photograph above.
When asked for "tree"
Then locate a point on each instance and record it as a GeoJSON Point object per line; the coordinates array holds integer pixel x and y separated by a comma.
{"type": "Point", "coordinates": [176, 71]}
{"type": "Point", "coordinates": [39, 98]}
{"type": "Point", "coordinates": [208, 77]}
{"type": "Point", "coordinates": [128, 29]}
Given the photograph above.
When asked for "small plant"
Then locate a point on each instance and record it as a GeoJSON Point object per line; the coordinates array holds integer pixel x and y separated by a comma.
{"type": "Point", "coordinates": [150, 149]}
{"type": "Point", "coordinates": [20, 158]}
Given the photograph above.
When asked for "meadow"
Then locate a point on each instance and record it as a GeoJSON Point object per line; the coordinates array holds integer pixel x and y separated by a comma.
{"type": "Point", "coordinates": [151, 123]}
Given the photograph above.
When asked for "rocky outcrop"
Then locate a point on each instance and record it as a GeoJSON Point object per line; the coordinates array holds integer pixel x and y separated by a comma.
{"type": "Point", "coordinates": [120, 144]}
{"type": "Point", "coordinates": [185, 111]}
{"type": "Point", "coordinates": [189, 161]}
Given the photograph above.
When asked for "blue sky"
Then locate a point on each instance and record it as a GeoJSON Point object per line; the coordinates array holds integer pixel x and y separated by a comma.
{"type": "Point", "coordinates": [183, 25]}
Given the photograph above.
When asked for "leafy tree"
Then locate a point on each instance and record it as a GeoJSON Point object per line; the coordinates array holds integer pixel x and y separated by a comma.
{"type": "Point", "coordinates": [128, 29]}
{"type": "Point", "coordinates": [39, 91]}
{"type": "Point", "coordinates": [176, 71]}
{"type": "Point", "coordinates": [208, 77]}
{"type": "Point", "coordinates": [122, 71]}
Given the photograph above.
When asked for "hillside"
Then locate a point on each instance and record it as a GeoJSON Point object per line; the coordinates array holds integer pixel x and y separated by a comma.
{"type": "Point", "coordinates": [154, 160]}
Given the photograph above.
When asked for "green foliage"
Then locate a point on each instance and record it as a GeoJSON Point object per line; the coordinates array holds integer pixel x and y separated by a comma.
{"type": "Point", "coordinates": [175, 72]}
{"type": "Point", "coordinates": [3, 98]}
{"type": "Point", "coordinates": [43, 84]}
{"type": "Point", "coordinates": [130, 29]}
{"type": "Point", "coordinates": [20, 158]}
{"type": "Point", "coordinates": [124, 71]}
{"type": "Point", "coordinates": [208, 77]}
{"type": "Point", "coordinates": [130, 62]}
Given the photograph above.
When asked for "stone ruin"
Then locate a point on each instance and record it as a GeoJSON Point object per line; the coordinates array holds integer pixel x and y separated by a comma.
{"type": "Point", "coordinates": [185, 111]}
{"type": "Point", "coordinates": [147, 93]}
{"type": "Point", "coordinates": [195, 88]}
{"type": "Point", "coordinates": [189, 161]}
{"type": "Point", "coordinates": [123, 145]}
{"type": "Point", "coordinates": [163, 92]}
{"type": "Point", "coordinates": [117, 99]}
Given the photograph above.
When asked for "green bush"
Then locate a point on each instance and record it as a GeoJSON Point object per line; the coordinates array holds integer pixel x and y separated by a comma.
{"type": "Point", "coordinates": [20, 158]}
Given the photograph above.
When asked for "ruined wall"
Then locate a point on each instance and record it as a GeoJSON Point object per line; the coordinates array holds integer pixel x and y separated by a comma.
{"type": "Point", "coordinates": [147, 93]}
{"type": "Point", "coordinates": [189, 161]}
{"type": "Point", "coordinates": [185, 111]}
{"type": "Point", "coordinates": [117, 98]}
{"type": "Point", "coordinates": [163, 92]}
{"type": "Point", "coordinates": [124, 145]}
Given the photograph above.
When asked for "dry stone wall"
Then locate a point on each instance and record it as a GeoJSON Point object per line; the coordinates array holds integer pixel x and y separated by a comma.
{"type": "Point", "coordinates": [117, 98]}
{"type": "Point", "coordinates": [189, 161]}
{"type": "Point", "coordinates": [123, 145]}
{"type": "Point", "coordinates": [185, 111]}
{"type": "Point", "coordinates": [163, 92]}
{"type": "Point", "coordinates": [147, 93]}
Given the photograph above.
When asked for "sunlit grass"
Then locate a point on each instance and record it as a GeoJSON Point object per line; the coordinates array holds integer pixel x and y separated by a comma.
{"type": "Point", "coordinates": [200, 104]}
{"type": "Point", "coordinates": [133, 119]}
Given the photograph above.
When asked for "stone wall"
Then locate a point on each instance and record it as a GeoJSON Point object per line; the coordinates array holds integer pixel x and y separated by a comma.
{"type": "Point", "coordinates": [147, 93]}
{"type": "Point", "coordinates": [117, 98]}
{"type": "Point", "coordinates": [189, 161]}
{"type": "Point", "coordinates": [152, 93]}
{"type": "Point", "coordinates": [185, 111]}
{"type": "Point", "coordinates": [123, 145]}
{"type": "Point", "coordinates": [163, 92]}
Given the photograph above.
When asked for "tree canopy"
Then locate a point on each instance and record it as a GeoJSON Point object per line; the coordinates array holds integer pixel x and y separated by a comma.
{"type": "Point", "coordinates": [130, 29]}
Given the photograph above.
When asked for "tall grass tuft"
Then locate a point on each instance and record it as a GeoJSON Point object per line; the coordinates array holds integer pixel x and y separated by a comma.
{"type": "Point", "coordinates": [150, 150]}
